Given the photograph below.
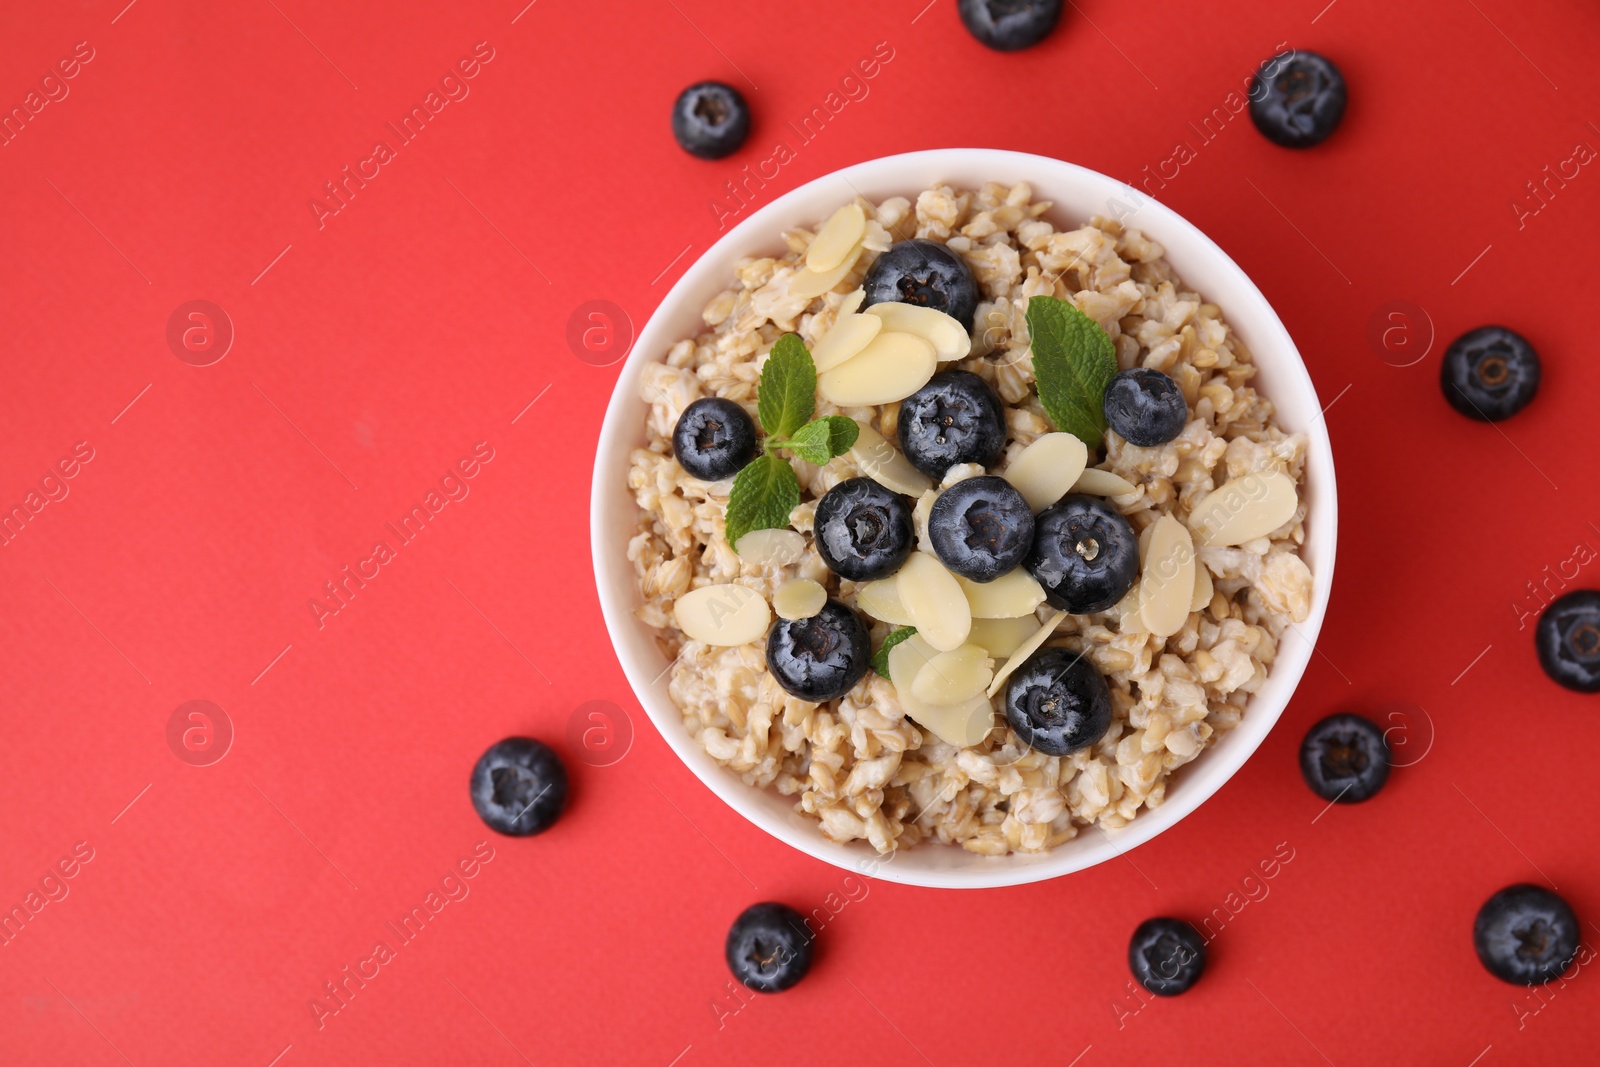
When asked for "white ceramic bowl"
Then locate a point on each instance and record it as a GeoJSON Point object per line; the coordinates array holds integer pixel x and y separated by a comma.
{"type": "Point", "coordinates": [1077, 194]}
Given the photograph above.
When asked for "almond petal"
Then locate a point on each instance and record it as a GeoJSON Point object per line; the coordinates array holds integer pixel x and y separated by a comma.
{"type": "Point", "coordinates": [1001, 637]}
{"type": "Point", "coordinates": [881, 599]}
{"type": "Point", "coordinates": [962, 725]}
{"type": "Point", "coordinates": [1202, 589]}
{"type": "Point", "coordinates": [935, 601]}
{"type": "Point", "coordinates": [890, 368]}
{"type": "Point", "coordinates": [722, 614]}
{"type": "Point", "coordinates": [1097, 482]}
{"type": "Point", "coordinates": [809, 283]}
{"type": "Point", "coordinates": [954, 676]}
{"type": "Point", "coordinates": [771, 548]}
{"type": "Point", "coordinates": [1166, 583]}
{"type": "Point", "coordinates": [883, 463]}
{"type": "Point", "coordinates": [850, 334]}
{"type": "Point", "coordinates": [1047, 469]}
{"type": "Point", "coordinates": [841, 233]}
{"type": "Point", "coordinates": [852, 303]}
{"type": "Point", "coordinates": [1024, 650]}
{"type": "Point", "coordinates": [1011, 596]}
{"type": "Point", "coordinates": [947, 336]}
{"type": "Point", "coordinates": [799, 598]}
{"type": "Point", "coordinates": [1248, 507]}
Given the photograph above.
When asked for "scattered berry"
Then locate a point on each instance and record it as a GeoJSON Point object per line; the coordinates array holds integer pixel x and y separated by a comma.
{"type": "Point", "coordinates": [769, 947]}
{"type": "Point", "coordinates": [1297, 99]}
{"type": "Point", "coordinates": [1145, 407]}
{"type": "Point", "coordinates": [519, 787]}
{"type": "Point", "coordinates": [1345, 758]}
{"type": "Point", "coordinates": [710, 120]}
{"type": "Point", "coordinates": [1009, 25]}
{"type": "Point", "coordinates": [714, 438]}
{"type": "Point", "coordinates": [1490, 373]}
{"type": "Point", "coordinates": [981, 527]}
{"type": "Point", "coordinates": [1568, 639]}
{"type": "Point", "coordinates": [1057, 702]}
{"type": "Point", "coordinates": [1525, 935]}
{"type": "Point", "coordinates": [1084, 554]}
{"type": "Point", "coordinates": [820, 658]}
{"type": "Point", "coordinates": [1167, 956]}
{"type": "Point", "coordinates": [956, 418]}
{"type": "Point", "coordinates": [863, 531]}
{"type": "Point", "coordinates": [925, 273]}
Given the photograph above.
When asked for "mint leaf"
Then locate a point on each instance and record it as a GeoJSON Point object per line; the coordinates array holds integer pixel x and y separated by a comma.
{"type": "Point", "coordinates": [880, 658]}
{"type": "Point", "coordinates": [821, 440]}
{"type": "Point", "coordinates": [787, 394]}
{"type": "Point", "coordinates": [763, 495]}
{"type": "Point", "coordinates": [1073, 362]}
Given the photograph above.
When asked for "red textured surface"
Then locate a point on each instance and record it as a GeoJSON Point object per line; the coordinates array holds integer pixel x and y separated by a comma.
{"type": "Point", "coordinates": [378, 349]}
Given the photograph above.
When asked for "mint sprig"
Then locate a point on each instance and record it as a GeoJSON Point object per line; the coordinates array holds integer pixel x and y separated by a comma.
{"type": "Point", "coordinates": [880, 658]}
{"type": "Point", "coordinates": [1073, 362]}
{"type": "Point", "coordinates": [766, 491]}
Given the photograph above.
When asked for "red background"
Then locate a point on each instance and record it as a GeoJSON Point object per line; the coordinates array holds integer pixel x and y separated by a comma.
{"type": "Point", "coordinates": [377, 350]}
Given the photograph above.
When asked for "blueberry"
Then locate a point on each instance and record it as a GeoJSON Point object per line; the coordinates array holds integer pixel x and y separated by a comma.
{"type": "Point", "coordinates": [1525, 935]}
{"type": "Point", "coordinates": [1057, 702]}
{"type": "Point", "coordinates": [714, 438]}
{"type": "Point", "coordinates": [1008, 25]}
{"type": "Point", "coordinates": [925, 273]}
{"type": "Point", "coordinates": [519, 787]}
{"type": "Point", "coordinates": [1167, 956]}
{"type": "Point", "coordinates": [769, 947]}
{"type": "Point", "coordinates": [1568, 639]}
{"type": "Point", "coordinates": [1145, 407]}
{"type": "Point", "coordinates": [863, 531]}
{"type": "Point", "coordinates": [710, 120]}
{"type": "Point", "coordinates": [1084, 554]}
{"type": "Point", "coordinates": [1490, 373]}
{"type": "Point", "coordinates": [1345, 758]}
{"type": "Point", "coordinates": [820, 658]}
{"type": "Point", "coordinates": [1297, 99]}
{"type": "Point", "coordinates": [981, 527]}
{"type": "Point", "coordinates": [956, 418]}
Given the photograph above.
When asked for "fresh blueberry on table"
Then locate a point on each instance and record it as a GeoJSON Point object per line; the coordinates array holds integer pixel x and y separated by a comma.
{"type": "Point", "coordinates": [863, 531]}
{"type": "Point", "coordinates": [710, 120]}
{"type": "Point", "coordinates": [1525, 935]}
{"type": "Point", "coordinates": [1084, 553]}
{"type": "Point", "coordinates": [1297, 99]}
{"type": "Point", "coordinates": [1145, 407]}
{"type": "Point", "coordinates": [519, 787]}
{"type": "Point", "coordinates": [714, 438]}
{"type": "Point", "coordinates": [956, 418]}
{"type": "Point", "coordinates": [820, 658]}
{"type": "Point", "coordinates": [1568, 639]}
{"type": "Point", "coordinates": [1057, 702]}
{"type": "Point", "coordinates": [1345, 758]}
{"type": "Point", "coordinates": [769, 947]}
{"type": "Point", "coordinates": [981, 527]}
{"type": "Point", "coordinates": [1009, 25]}
{"type": "Point", "coordinates": [924, 273]}
{"type": "Point", "coordinates": [1490, 373]}
{"type": "Point", "coordinates": [1167, 956]}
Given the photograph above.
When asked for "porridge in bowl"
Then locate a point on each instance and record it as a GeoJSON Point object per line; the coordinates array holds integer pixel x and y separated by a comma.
{"type": "Point", "coordinates": [959, 527]}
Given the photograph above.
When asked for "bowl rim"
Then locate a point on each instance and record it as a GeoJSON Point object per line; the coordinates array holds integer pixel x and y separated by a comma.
{"type": "Point", "coordinates": [707, 275]}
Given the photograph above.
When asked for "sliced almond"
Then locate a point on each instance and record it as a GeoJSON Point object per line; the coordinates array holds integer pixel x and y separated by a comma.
{"type": "Point", "coordinates": [1001, 637]}
{"type": "Point", "coordinates": [1047, 469]}
{"type": "Point", "coordinates": [881, 599]}
{"type": "Point", "coordinates": [809, 283]}
{"type": "Point", "coordinates": [1097, 482]}
{"type": "Point", "coordinates": [962, 725]}
{"type": "Point", "coordinates": [954, 676]}
{"type": "Point", "coordinates": [1010, 596]}
{"type": "Point", "coordinates": [884, 464]}
{"type": "Point", "coordinates": [722, 614]}
{"type": "Point", "coordinates": [1166, 583]}
{"type": "Point", "coordinates": [934, 599]}
{"type": "Point", "coordinates": [852, 303]}
{"type": "Point", "coordinates": [1248, 507]}
{"type": "Point", "coordinates": [1024, 650]}
{"type": "Point", "coordinates": [890, 368]}
{"type": "Point", "coordinates": [1202, 589]}
{"type": "Point", "coordinates": [849, 335]}
{"type": "Point", "coordinates": [841, 233]}
{"type": "Point", "coordinates": [799, 598]}
{"type": "Point", "coordinates": [947, 336]}
{"type": "Point", "coordinates": [771, 548]}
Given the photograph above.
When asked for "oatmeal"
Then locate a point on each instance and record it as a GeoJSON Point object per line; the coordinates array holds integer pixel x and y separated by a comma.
{"type": "Point", "coordinates": [1196, 540]}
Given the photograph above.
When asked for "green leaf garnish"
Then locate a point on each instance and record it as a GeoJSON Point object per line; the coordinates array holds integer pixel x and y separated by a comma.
{"type": "Point", "coordinates": [787, 394]}
{"type": "Point", "coordinates": [880, 658]}
{"type": "Point", "coordinates": [764, 494]}
{"type": "Point", "coordinates": [1073, 362]}
{"type": "Point", "coordinates": [821, 439]}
